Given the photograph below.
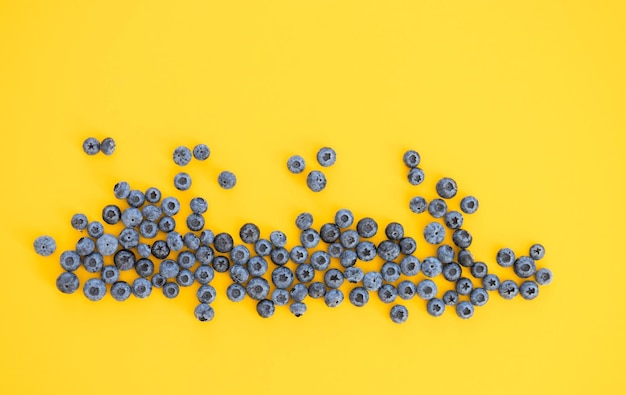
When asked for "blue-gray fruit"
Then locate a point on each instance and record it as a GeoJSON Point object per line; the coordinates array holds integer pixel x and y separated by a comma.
{"type": "Point", "coordinates": [70, 260]}
{"type": "Point", "coordinates": [387, 293]}
{"type": "Point", "coordinates": [399, 314]}
{"type": "Point", "coordinates": [358, 296]}
{"type": "Point", "coordinates": [296, 164]}
{"type": "Point", "coordinates": [265, 308]}
{"type": "Point", "coordinates": [227, 180]}
{"type": "Point", "coordinates": [508, 289]}
{"type": "Point", "coordinates": [67, 283]}
{"type": "Point", "coordinates": [120, 291]}
{"type": "Point", "coordinates": [91, 146]}
{"type": "Point", "coordinates": [326, 156]}
{"type": "Point", "coordinates": [203, 312]}
{"type": "Point", "coordinates": [333, 298]}
{"type": "Point", "coordinates": [543, 276]}
{"type": "Point", "coordinates": [182, 156]}
{"type": "Point", "coordinates": [446, 188]}
{"type": "Point", "coordinates": [297, 309]}
{"type": "Point", "coordinates": [435, 307]}
{"type": "Point", "coordinates": [411, 158]}
{"type": "Point", "coordinates": [464, 310]}
{"type": "Point", "coordinates": [201, 152]}
{"type": "Point", "coordinates": [434, 233]}
{"type": "Point", "coordinates": [94, 289]}
{"type": "Point", "coordinates": [45, 245]}
{"type": "Point", "coordinates": [316, 181]}
{"type": "Point", "coordinates": [107, 146]}
{"type": "Point", "coordinates": [426, 289]}
{"type": "Point", "coordinates": [141, 287]}
{"type": "Point", "coordinates": [469, 204]}
{"type": "Point", "coordinates": [479, 297]}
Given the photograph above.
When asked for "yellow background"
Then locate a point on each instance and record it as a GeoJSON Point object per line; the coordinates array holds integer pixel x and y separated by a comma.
{"type": "Point", "coordinates": [521, 102]}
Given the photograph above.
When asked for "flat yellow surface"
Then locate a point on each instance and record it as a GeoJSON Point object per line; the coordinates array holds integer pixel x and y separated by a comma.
{"type": "Point", "coordinates": [523, 103]}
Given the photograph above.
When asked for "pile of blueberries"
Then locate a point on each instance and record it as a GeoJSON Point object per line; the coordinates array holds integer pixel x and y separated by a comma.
{"type": "Point", "coordinates": [164, 257]}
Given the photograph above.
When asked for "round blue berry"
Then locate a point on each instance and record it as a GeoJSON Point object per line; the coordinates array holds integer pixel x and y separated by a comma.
{"type": "Point", "coordinates": [296, 164]}
{"type": "Point", "coordinates": [399, 314]}
{"type": "Point", "coordinates": [67, 283]}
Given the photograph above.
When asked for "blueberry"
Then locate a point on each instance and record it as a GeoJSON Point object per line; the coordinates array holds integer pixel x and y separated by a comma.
{"type": "Point", "coordinates": [203, 312]}
{"type": "Point", "coordinates": [206, 294]}
{"type": "Point", "coordinates": [367, 227]}
{"type": "Point", "coordinates": [410, 265]}
{"type": "Point", "coordinates": [462, 238]}
{"type": "Point", "coordinates": [394, 231]}
{"type": "Point", "coordinates": [94, 289]}
{"type": "Point", "coordinates": [204, 274]}
{"type": "Point", "coordinates": [358, 296]}
{"type": "Point", "coordinates": [299, 254]}
{"type": "Point", "coordinates": [121, 190]}
{"type": "Point", "coordinates": [406, 290]}
{"type": "Point", "coordinates": [452, 271]}
{"type": "Point", "coordinates": [67, 283]}
{"type": "Point", "coordinates": [469, 204]}
{"type": "Point", "coordinates": [491, 282]}
{"type": "Point", "coordinates": [201, 152]}
{"type": "Point", "coordinates": [372, 281]}
{"type": "Point", "coordinates": [479, 270]}
{"type": "Point", "coordinates": [349, 238]}
{"type": "Point", "coordinates": [158, 281]}
{"type": "Point", "coordinates": [109, 274]}
{"type": "Point", "coordinates": [435, 307]}
{"type": "Point", "coordinates": [390, 272]}
{"type": "Point", "coordinates": [84, 246]}
{"type": "Point", "coordinates": [107, 146]}
{"type": "Point", "coordinates": [353, 274]}
{"type": "Point", "coordinates": [282, 277]}
{"type": "Point", "coordinates": [280, 297]}
{"type": "Point", "coordinates": [479, 297]}
{"type": "Point", "coordinates": [445, 253]}
{"type": "Point", "coordinates": [388, 250]}
{"type": "Point", "coordinates": [239, 255]}
{"type": "Point", "coordinates": [408, 245]}
{"type": "Point", "coordinates": [366, 250]}
{"type": "Point", "coordinates": [227, 180]}
{"type": "Point", "coordinates": [411, 158]}
{"type": "Point", "coordinates": [151, 212]}
{"type": "Point", "coordinates": [304, 221]}
{"type": "Point", "coordinates": [258, 288]}
{"type": "Point", "coordinates": [453, 219]}
{"type": "Point", "coordinates": [185, 278]}
{"type": "Point", "coordinates": [309, 238]}
{"type": "Point", "coordinates": [348, 258]}
{"type": "Point", "coordinates": [170, 206]}
{"type": "Point", "coordinates": [415, 176]}
{"type": "Point", "coordinates": [320, 260]}
{"type": "Point", "coordinates": [464, 286]}
{"type": "Point", "coordinates": [426, 289]}
{"type": "Point", "coordinates": [223, 242]}
{"type": "Point", "coordinates": [299, 292]}
{"type": "Point", "coordinates": [198, 205]}
{"type": "Point", "coordinates": [129, 238]}
{"type": "Point", "coordinates": [333, 298]}
{"type": "Point", "coordinates": [329, 232]}
{"type": "Point", "coordinates": [305, 273]}
{"type": "Point", "coordinates": [141, 287]}
{"type": "Point", "coordinates": [167, 224]}
{"type": "Point", "coordinates": [434, 233]}
{"type": "Point", "coordinates": [464, 310]}
{"type": "Point", "coordinates": [505, 257]}
{"type": "Point", "coordinates": [79, 221]}
{"type": "Point", "coordinates": [160, 250]}
{"type": "Point", "coordinates": [316, 181]}
{"type": "Point", "coordinates": [207, 237]}
{"type": "Point", "coordinates": [450, 297]}
{"type": "Point", "coordinates": [120, 291]}
{"type": "Point", "coordinates": [387, 293]}
{"type": "Point", "coordinates": [195, 222]}
{"type": "Point", "coordinates": [263, 247]}
{"type": "Point", "coordinates": [239, 274]}
{"type": "Point", "coordinates": [279, 256]}
{"type": "Point", "coordinates": [431, 267]}
{"type": "Point", "coordinates": [91, 146]}
{"type": "Point", "coordinates": [221, 264]}
{"type": "Point", "coordinates": [182, 181]}
{"type": "Point", "coordinates": [508, 289]}
{"type": "Point", "coordinates": [152, 195]}
{"type": "Point", "coordinates": [317, 290]}
{"type": "Point", "coordinates": [111, 214]}
{"type": "Point", "coordinates": [543, 276]}
{"type": "Point", "coordinates": [298, 309]}
{"type": "Point", "coordinates": [144, 267]}
{"type": "Point", "coordinates": [437, 208]}
{"type": "Point", "coordinates": [418, 204]}
{"type": "Point", "coordinates": [182, 156]}
{"type": "Point", "coordinates": [135, 198]}
{"type": "Point", "coordinates": [537, 251]}
{"type": "Point", "coordinates": [170, 290]}
{"type": "Point", "coordinates": [235, 292]}
{"type": "Point", "coordinates": [446, 188]}
{"type": "Point", "coordinates": [191, 240]}
{"type": "Point", "coordinates": [257, 266]}
{"type": "Point", "coordinates": [168, 268]}
{"type": "Point", "coordinates": [344, 218]}
{"type": "Point", "coordinates": [333, 278]}
{"type": "Point", "coordinates": [249, 233]}
{"type": "Point", "coordinates": [296, 164]}
{"type": "Point", "coordinates": [326, 156]}
{"type": "Point", "coordinates": [265, 308]}
{"type": "Point", "coordinates": [398, 314]}
{"type": "Point", "coordinates": [529, 290]}
{"type": "Point", "coordinates": [131, 217]}
{"type": "Point", "coordinates": [524, 267]}
{"type": "Point", "coordinates": [45, 245]}
{"type": "Point", "coordinates": [466, 258]}
{"type": "Point", "coordinates": [278, 238]}
{"type": "Point", "coordinates": [93, 262]}
{"type": "Point", "coordinates": [70, 261]}
{"type": "Point", "coordinates": [335, 250]}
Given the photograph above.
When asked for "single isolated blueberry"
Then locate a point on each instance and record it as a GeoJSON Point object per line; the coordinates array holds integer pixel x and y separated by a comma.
{"type": "Point", "coordinates": [387, 293]}
{"type": "Point", "coordinates": [344, 218]}
{"type": "Point", "coordinates": [446, 188]}
{"type": "Point", "coordinates": [297, 309]}
{"type": "Point", "coordinates": [464, 310]}
{"type": "Point", "coordinates": [316, 181]}
{"type": "Point", "coordinates": [201, 152]}
{"type": "Point", "coordinates": [537, 251]}
{"type": "Point", "coordinates": [121, 190]}
{"type": "Point", "coordinates": [182, 181]}
{"type": "Point", "coordinates": [45, 245]}
{"type": "Point", "coordinates": [437, 208]}
{"type": "Point", "coordinates": [79, 221]}
{"type": "Point", "coordinates": [296, 164]}
{"type": "Point", "coordinates": [399, 314]}
{"type": "Point", "coordinates": [418, 204]}
{"type": "Point", "coordinates": [182, 156]}
{"type": "Point", "coordinates": [543, 276]}
{"type": "Point", "coordinates": [529, 290]}
{"type": "Point", "coordinates": [358, 296]}
{"type": "Point", "coordinates": [67, 283]}
{"type": "Point", "coordinates": [469, 204]}
{"type": "Point", "coordinates": [203, 312]}
{"type": "Point", "coordinates": [227, 180]}
{"type": "Point", "coordinates": [326, 156]}
{"type": "Point", "coordinates": [304, 221]}
{"type": "Point", "coordinates": [265, 308]}
{"type": "Point", "coordinates": [91, 146]}
{"type": "Point", "coordinates": [415, 176]}
{"type": "Point", "coordinates": [107, 146]}
{"type": "Point", "coordinates": [411, 158]}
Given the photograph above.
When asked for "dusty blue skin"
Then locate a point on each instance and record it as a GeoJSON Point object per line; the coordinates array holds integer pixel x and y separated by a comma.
{"type": "Point", "coordinates": [135, 198]}
{"type": "Point", "coordinates": [446, 188]}
{"type": "Point", "coordinates": [464, 310]}
{"type": "Point", "coordinates": [201, 152]}
{"type": "Point", "coordinates": [296, 164]}
{"type": "Point", "coordinates": [398, 314]}
{"type": "Point", "coordinates": [182, 181]}
{"type": "Point", "coordinates": [279, 255]}
{"type": "Point", "coordinates": [305, 273]}
{"type": "Point", "coordinates": [94, 289]}
{"type": "Point", "coordinates": [505, 257]}
{"type": "Point", "coordinates": [79, 221]}
{"type": "Point", "coordinates": [304, 221]}
{"type": "Point", "coordinates": [491, 282]}
{"type": "Point", "coordinates": [372, 281]}
{"type": "Point", "coordinates": [344, 218]}
{"type": "Point", "coordinates": [390, 271]}
{"type": "Point", "coordinates": [67, 283]}
{"type": "Point", "coordinates": [206, 294]}
{"type": "Point", "coordinates": [387, 250]}
{"type": "Point", "coordinates": [333, 298]}
{"type": "Point", "coordinates": [111, 214]}
{"type": "Point", "coordinates": [451, 297]}
{"type": "Point", "coordinates": [353, 274]}
{"type": "Point", "coordinates": [316, 181]}
{"type": "Point", "coordinates": [462, 238]}
{"type": "Point", "coordinates": [258, 288]}
{"type": "Point", "coordinates": [297, 308]}
{"type": "Point", "coordinates": [445, 253]}
{"type": "Point", "coordinates": [168, 268]}
{"type": "Point", "coordinates": [170, 290]}
{"type": "Point", "coordinates": [317, 289]}
{"type": "Point", "coordinates": [426, 289]}
{"type": "Point", "coordinates": [437, 208]}
{"type": "Point", "coordinates": [524, 267]}
{"type": "Point", "coordinates": [91, 146]}
{"type": "Point", "coordinates": [128, 238]}
{"type": "Point", "coordinates": [191, 240]}
{"type": "Point", "coordinates": [282, 277]}
{"type": "Point", "coordinates": [120, 291]}
{"type": "Point", "coordinates": [70, 261]}
{"type": "Point", "coordinates": [204, 274]}
{"type": "Point", "coordinates": [537, 251]}
{"type": "Point", "coordinates": [280, 297]}
{"type": "Point", "coordinates": [411, 158]}
{"type": "Point", "coordinates": [410, 265]}
{"type": "Point", "coordinates": [141, 288]}
{"type": "Point", "coordinates": [195, 222]}
{"type": "Point", "coordinates": [387, 293]}
{"type": "Point", "coordinates": [453, 219]}
{"type": "Point", "coordinates": [170, 206]}
{"type": "Point", "coordinates": [107, 244]}
{"type": "Point", "coordinates": [167, 224]}
{"type": "Point", "coordinates": [435, 307]}
{"type": "Point", "coordinates": [320, 260]}
{"type": "Point", "coordinates": [418, 204]}
{"type": "Point", "coordinates": [249, 233]}
{"type": "Point", "coordinates": [93, 262]}
{"type": "Point", "coordinates": [185, 278]}
{"type": "Point", "coordinates": [110, 274]}
{"type": "Point", "coordinates": [479, 297]}
{"type": "Point", "coordinates": [257, 266]}
{"type": "Point", "coordinates": [144, 267]}
{"type": "Point", "coordinates": [434, 233]}
{"type": "Point", "coordinates": [239, 274]}
{"type": "Point", "coordinates": [479, 270]}
{"type": "Point", "coordinates": [309, 238]}
{"type": "Point", "coordinates": [174, 241]}
{"type": "Point", "coordinates": [131, 217]}
{"type": "Point", "coordinates": [452, 271]}
{"type": "Point", "coordinates": [469, 204]}
{"type": "Point", "coordinates": [431, 267]}
{"type": "Point", "coordinates": [182, 156]}
{"type": "Point", "coordinates": [349, 238]}
{"type": "Point", "coordinates": [326, 156]}
{"type": "Point", "coordinates": [121, 190]}
{"type": "Point", "coordinates": [107, 146]}
{"type": "Point", "coordinates": [235, 292]}
{"type": "Point", "coordinates": [464, 286]}
{"type": "Point", "coordinates": [203, 312]}
{"type": "Point", "coordinates": [406, 290]}
{"type": "Point", "coordinates": [529, 290]}
{"type": "Point", "coordinates": [153, 195]}
{"type": "Point", "coordinates": [299, 292]}
{"type": "Point", "coordinates": [508, 289]}
{"type": "Point", "coordinates": [95, 229]}
{"type": "Point", "coordinates": [358, 296]}
{"type": "Point", "coordinates": [333, 278]}
{"type": "Point", "coordinates": [367, 227]}
{"type": "Point", "coordinates": [227, 180]}
{"type": "Point", "coordinates": [265, 308]}
{"type": "Point", "coordinates": [543, 276]}
{"type": "Point", "coordinates": [84, 246]}
{"type": "Point", "coordinates": [366, 250]}
{"type": "Point", "coordinates": [151, 212]}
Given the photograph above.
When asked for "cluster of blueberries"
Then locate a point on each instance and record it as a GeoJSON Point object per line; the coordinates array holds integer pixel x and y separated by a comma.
{"type": "Point", "coordinates": [170, 259]}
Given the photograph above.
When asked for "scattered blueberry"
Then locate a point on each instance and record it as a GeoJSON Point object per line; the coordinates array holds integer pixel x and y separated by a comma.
{"type": "Point", "coordinates": [411, 158]}
{"type": "Point", "coordinates": [505, 257]}
{"type": "Point", "coordinates": [333, 278]}
{"type": "Point", "coordinates": [297, 309]}
{"type": "Point", "coordinates": [353, 274]}
{"type": "Point", "coordinates": [387, 293]}
{"type": "Point", "coordinates": [265, 308]}
{"type": "Point", "coordinates": [320, 260]}
{"type": "Point", "coordinates": [426, 289]}
{"type": "Point", "coordinates": [435, 307]}
{"type": "Point", "coordinates": [278, 239]}
{"type": "Point", "coordinates": [182, 156]}
{"type": "Point", "coordinates": [304, 221]}
{"type": "Point", "coordinates": [453, 219]}
{"type": "Point", "coordinates": [366, 250]}
{"type": "Point", "coordinates": [204, 274]}
{"type": "Point", "coordinates": [107, 146]}
{"type": "Point", "coordinates": [479, 297]}
{"type": "Point", "coordinates": [223, 242]}
{"type": "Point", "coordinates": [406, 290]}
{"type": "Point", "coordinates": [317, 289]}
{"type": "Point", "coordinates": [537, 251]}
{"type": "Point", "coordinates": [349, 239]}
{"type": "Point", "coordinates": [153, 195]}
{"type": "Point", "coordinates": [141, 287]}
{"type": "Point", "coordinates": [388, 250]}
{"type": "Point", "coordinates": [431, 267]}
{"type": "Point", "coordinates": [257, 266]}
{"type": "Point", "coordinates": [296, 164]}
{"type": "Point", "coordinates": [524, 267]}
{"type": "Point", "coordinates": [358, 296]}
{"type": "Point", "coordinates": [239, 274]}
{"type": "Point", "coordinates": [168, 268]}
{"type": "Point", "coordinates": [84, 246]}
{"type": "Point", "coordinates": [316, 181]}
{"type": "Point", "coordinates": [415, 176]}
{"type": "Point", "coordinates": [170, 206]}
{"type": "Point", "coordinates": [198, 205]}
{"type": "Point", "coordinates": [201, 152]}
{"type": "Point", "coordinates": [195, 222]}
{"type": "Point", "coordinates": [394, 231]}
{"type": "Point", "coordinates": [221, 264]}
{"type": "Point", "coordinates": [67, 283]}
{"type": "Point", "coordinates": [450, 297]}
{"type": "Point", "coordinates": [203, 312]}
{"type": "Point", "coordinates": [206, 294]}
{"type": "Point", "coordinates": [167, 224]}
{"type": "Point", "coordinates": [326, 156]}
{"type": "Point", "coordinates": [491, 282]}
{"type": "Point", "coordinates": [79, 221]}
{"type": "Point", "coordinates": [93, 262]}
{"type": "Point", "coordinates": [390, 272]}
{"type": "Point", "coordinates": [192, 241]}
{"type": "Point", "coordinates": [91, 146]}
{"type": "Point", "coordinates": [543, 276]}
{"type": "Point", "coordinates": [309, 238]}
{"type": "Point", "coordinates": [121, 190]}
{"type": "Point", "coordinates": [305, 273]}
{"type": "Point", "coordinates": [479, 270]}
{"type": "Point", "coordinates": [94, 289]}
{"type": "Point", "coordinates": [329, 232]}
{"type": "Point", "coordinates": [434, 233]}
{"type": "Point", "coordinates": [135, 198]}
{"type": "Point", "coordinates": [249, 233]}
{"type": "Point", "coordinates": [344, 218]}
{"type": "Point", "coordinates": [279, 256]}
{"type": "Point", "coordinates": [372, 281]}
{"type": "Point", "coordinates": [462, 238]}
{"type": "Point", "coordinates": [111, 214]}
{"type": "Point", "coordinates": [446, 188]}
{"type": "Point", "coordinates": [464, 310]}
{"type": "Point", "coordinates": [418, 204]}
{"type": "Point", "coordinates": [282, 277]}
{"type": "Point", "coordinates": [298, 254]}
{"type": "Point", "coordinates": [158, 281]}
{"type": "Point", "coordinates": [437, 208]}
{"type": "Point", "coordinates": [120, 291]}
{"type": "Point", "coordinates": [182, 181]}
{"type": "Point", "coordinates": [408, 245]}
{"type": "Point", "coordinates": [410, 265]}
{"type": "Point", "coordinates": [452, 271]}
{"type": "Point", "coordinates": [70, 260]}
{"type": "Point", "coordinates": [45, 245]}
{"type": "Point", "coordinates": [185, 278]}
{"type": "Point", "coordinates": [299, 292]}
{"type": "Point", "coordinates": [333, 298]}
{"type": "Point", "coordinates": [280, 297]}
{"type": "Point", "coordinates": [469, 204]}
{"type": "Point", "coordinates": [464, 286]}
{"type": "Point", "coordinates": [170, 290]}
{"type": "Point", "coordinates": [227, 180]}
{"type": "Point", "coordinates": [235, 292]}
{"type": "Point", "coordinates": [445, 253]}
{"type": "Point", "coordinates": [144, 267]}
{"type": "Point", "coordinates": [508, 289]}
{"type": "Point", "coordinates": [110, 274]}
{"type": "Point", "coordinates": [399, 314]}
